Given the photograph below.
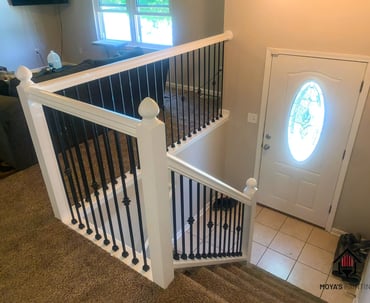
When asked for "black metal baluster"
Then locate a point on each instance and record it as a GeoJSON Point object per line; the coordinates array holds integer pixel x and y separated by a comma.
{"type": "Point", "coordinates": [102, 178]}
{"type": "Point", "coordinates": [210, 225]}
{"type": "Point", "coordinates": [139, 87]}
{"type": "Point", "coordinates": [56, 138]}
{"type": "Point", "coordinates": [222, 77]}
{"type": "Point", "coordinates": [225, 227]}
{"type": "Point", "coordinates": [104, 181]}
{"type": "Point", "coordinates": [221, 226]}
{"type": "Point", "coordinates": [241, 230]}
{"type": "Point", "coordinates": [71, 146]}
{"type": "Point", "coordinates": [138, 205]}
{"type": "Point", "coordinates": [176, 255]}
{"type": "Point", "coordinates": [126, 200]}
{"type": "Point", "coordinates": [197, 255]}
{"type": "Point", "coordinates": [87, 147]}
{"type": "Point", "coordinates": [191, 219]}
{"type": "Point", "coordinates": [177, 103]}
{"type": "Point", "coordinates": [214, 83]}
{"type": "Point", "coordinates": [208, 84]}
{"type": "Point", "coordinates": [234, 233]}
{"type": "Point", "coordinates": [182, 205]}
{"type": "Point", "coordinates": [171, 117]}
{"type": "Point", "coordinates": [111, 170]}
{"type": "Point", "coordinates": [215, 229]}
{"type": "Point", "coordinates": [230, 227]}
{"type": "Point", "coordinates": [199, 91]}
{"type": "Point", "coordinates": [72, 125]}
{"type": "Point", "coordinates": [218, 81]}
{"type": "Point", "coordinates": [62, 129]}
{"type": "Point", "coordinates": [229, 234]}
{"type": "Point", "coordinates": [204, 87]}
{"type": "Point", "coordinates": [238, 229]}
{"type": "Point", "coordinates": [134, 114]}
{"type": "Point", "coordinates": [182, 97]}
{"type": "Point", "coordinates": [204, 255]}
{"type": "Point", "coordinates": [123, 103]}
{"type": "Point", "coordinates": [137, 154]}
{"type": "Point", "coordinates": [147, 80]}
{"type": "Point", "coordinates": [163, 87]}
{"type": "Point", "coordinates": [188, 85]}
{"type": "Point", "coordinates": [94, 184]}
{"type": "Point", "coordinates": [194, 95]}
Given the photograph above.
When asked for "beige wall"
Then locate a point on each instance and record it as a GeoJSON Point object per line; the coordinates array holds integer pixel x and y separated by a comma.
{"type": "Point", "coordinates": [327, 26]}
{"type": "Point", "coordinates": [24, 29]}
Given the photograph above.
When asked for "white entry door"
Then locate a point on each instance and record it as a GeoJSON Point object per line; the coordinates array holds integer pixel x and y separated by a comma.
{"type": "Point", "coordinates": [310, 106]}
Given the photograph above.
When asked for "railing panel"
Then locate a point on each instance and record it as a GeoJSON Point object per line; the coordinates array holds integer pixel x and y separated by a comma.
{"type": "Point", "coordinates": [211, 221]}
{"type": "Point", "coordinates": [95, 164]}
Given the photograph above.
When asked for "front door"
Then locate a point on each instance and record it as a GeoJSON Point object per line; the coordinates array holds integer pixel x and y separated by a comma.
{"type": "Point", "coordinates": [310, 106]}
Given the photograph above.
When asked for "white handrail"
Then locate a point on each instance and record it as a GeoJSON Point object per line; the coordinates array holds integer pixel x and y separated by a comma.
{"type": "Point", "coordinates": [114, 68]}
{"type": "Point", "coordinates": [200, 176]}
{"type": "Point", "coordinates": [95, 114]}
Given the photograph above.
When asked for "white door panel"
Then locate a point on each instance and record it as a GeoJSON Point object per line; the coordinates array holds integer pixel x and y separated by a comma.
{"type": "Point", "coordinates": [305, 188]}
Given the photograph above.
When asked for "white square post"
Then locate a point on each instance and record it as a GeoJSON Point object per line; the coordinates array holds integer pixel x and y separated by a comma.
{"type": "Point", "coordinates": [153, 158]}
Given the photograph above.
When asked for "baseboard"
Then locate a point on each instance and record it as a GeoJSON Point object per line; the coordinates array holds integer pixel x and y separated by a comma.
{"type": "Point", "coordinates": [337, 232]}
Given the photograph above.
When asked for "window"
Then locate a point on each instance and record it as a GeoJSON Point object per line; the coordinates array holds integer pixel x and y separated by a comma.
{"type": "Point", "coordinates": [306, 120]}
{"type": "Point", "coordinates": [138, 21]}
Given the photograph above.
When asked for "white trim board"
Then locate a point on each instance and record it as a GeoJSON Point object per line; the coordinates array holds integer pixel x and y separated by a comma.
{"type": "Point", "coordinates": [270, 52]}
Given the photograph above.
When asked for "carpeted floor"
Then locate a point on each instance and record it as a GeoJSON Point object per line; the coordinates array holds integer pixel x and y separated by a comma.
{"type": "Point", "coordinates": [42, 260]}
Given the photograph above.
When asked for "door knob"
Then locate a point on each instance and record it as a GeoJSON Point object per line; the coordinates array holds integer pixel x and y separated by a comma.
{"type": "Point", "coordinates": [268, 136]}
{"type": "Point", "coordinates": [266, 146]}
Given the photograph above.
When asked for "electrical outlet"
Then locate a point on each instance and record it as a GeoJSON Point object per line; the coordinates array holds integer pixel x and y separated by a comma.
{"type": "Point", "coordinates": [252, 118]}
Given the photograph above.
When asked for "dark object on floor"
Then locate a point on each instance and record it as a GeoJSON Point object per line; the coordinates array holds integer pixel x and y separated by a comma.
{"type": "Point", "coordinates": [224, 203]}
{"type": "Point", "coordinates": [350, 257]}
{"type": "Point", "coordinates": [6, 170]}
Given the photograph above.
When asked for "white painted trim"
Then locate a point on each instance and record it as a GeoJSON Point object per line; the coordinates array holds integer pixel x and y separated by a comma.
{"type": "Point", "coordinates": [188, 170]}
{"type": "Point", "coordinates": [270, 52]}
{"type": "Point", "coordinates": [206, 262]}
{"type": "Point", "coordinates": [200, 134]}
{"type": "Point", "coordinates": [104, 117]}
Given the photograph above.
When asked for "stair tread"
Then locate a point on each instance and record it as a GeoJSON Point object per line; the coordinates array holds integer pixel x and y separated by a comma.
{"type": "Point", "coordinates": [220, 286]}
{"type": "Point", "coordinates": [259, 290]}
{"type": "Point", "coordinates": [184, 290]}
{"type": "Point", "coordinates": [272, 284]}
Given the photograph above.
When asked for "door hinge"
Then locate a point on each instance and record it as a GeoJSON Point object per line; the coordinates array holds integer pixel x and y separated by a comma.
{"type": "Point", "coordinates": [330, 209]}
{"type": "Point", "coordinates": [344, 154]}
{"type": "Point", "coordinates": [362, 86]}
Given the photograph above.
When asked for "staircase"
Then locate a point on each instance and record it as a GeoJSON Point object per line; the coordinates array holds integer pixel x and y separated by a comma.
{"type": "Point", "coordinates": [117, 180]}
{"type": "Point", "coordinates": [233, 283]}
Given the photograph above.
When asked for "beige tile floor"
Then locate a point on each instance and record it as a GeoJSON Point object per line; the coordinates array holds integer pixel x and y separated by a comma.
{"type": "Point", "coordinates": [297, 252]}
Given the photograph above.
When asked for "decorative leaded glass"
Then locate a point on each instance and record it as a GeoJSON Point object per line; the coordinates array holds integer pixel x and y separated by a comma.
{"type": "Point", "coordinates": [306, 120]}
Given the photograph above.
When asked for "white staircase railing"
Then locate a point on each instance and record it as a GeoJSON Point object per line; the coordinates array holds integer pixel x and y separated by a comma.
{"type": "Point", "coordinates": [149, 179]}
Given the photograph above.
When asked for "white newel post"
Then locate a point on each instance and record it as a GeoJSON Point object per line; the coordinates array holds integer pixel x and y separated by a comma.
{"type": "Point", "coordinates": [43, 145]}
{"type": "Point", "coordinates": [153, 157]}
{"type": "Point", "coordinates": [249, 191]}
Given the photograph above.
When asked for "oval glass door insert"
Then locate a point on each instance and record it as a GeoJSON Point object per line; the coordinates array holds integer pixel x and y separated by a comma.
{"type": "Point", "coordinates": [306, 120]}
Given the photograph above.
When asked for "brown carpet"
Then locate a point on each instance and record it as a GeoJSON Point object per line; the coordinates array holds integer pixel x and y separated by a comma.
{"type": "Point", "coordinates": [42, 260]}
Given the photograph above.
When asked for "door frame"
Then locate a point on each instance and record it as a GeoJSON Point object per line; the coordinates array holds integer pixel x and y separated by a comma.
{"type": "Point", "coordinates": [270, 53]}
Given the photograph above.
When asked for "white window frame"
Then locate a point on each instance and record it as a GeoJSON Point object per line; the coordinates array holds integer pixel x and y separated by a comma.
{"type": "Point", "coordinates": [133, 12]}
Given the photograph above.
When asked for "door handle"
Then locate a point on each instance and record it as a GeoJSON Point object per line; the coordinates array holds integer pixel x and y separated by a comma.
{"type": "Point", "coordinates": [266, 146]}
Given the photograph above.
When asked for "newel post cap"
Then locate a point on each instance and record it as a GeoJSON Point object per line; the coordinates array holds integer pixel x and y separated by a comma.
{"type": "Point", "coordinates": [23, 74]}
{"type": "Point", "coordinates": [148, 109]}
